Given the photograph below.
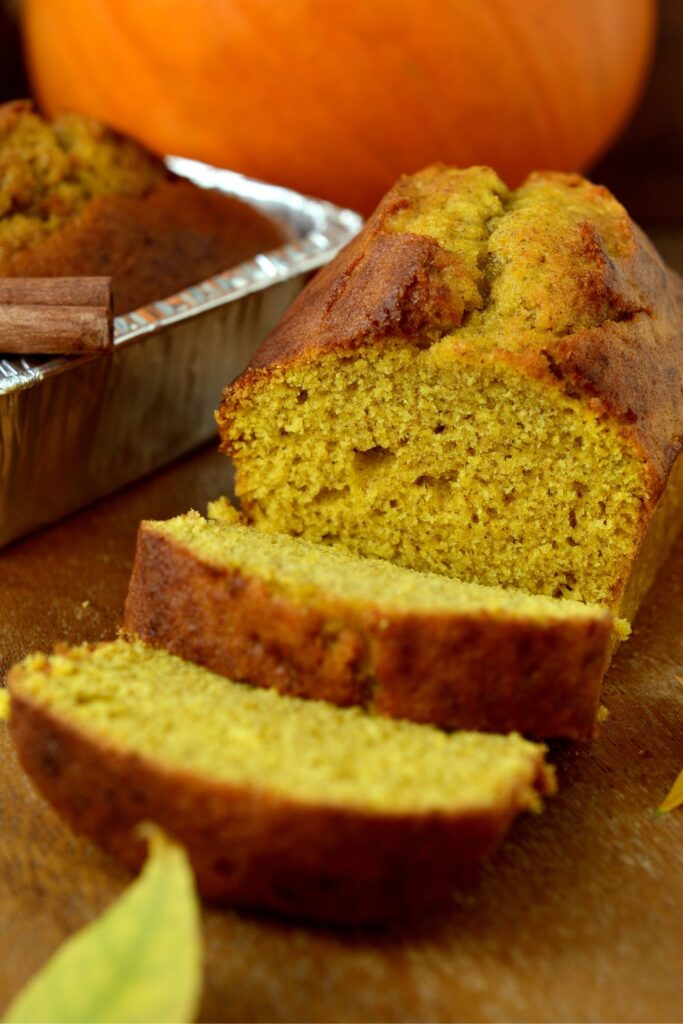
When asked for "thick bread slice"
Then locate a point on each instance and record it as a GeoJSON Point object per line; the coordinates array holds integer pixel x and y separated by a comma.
{"type": "Point", "coordinates": [291, 805]}
{"type": "Point", "coordinates": [314, 621]}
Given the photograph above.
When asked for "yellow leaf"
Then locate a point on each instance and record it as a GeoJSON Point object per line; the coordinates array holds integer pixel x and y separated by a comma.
{"type": "Point", "coordinates": [674, 797]}
{"type": "Point", "coordinates": [4, 705]}
{"type": "Point", "coordinates": [138, 963]}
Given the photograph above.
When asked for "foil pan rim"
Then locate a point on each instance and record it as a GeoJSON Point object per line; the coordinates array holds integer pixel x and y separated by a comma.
{"type": "Point", "coordinates": [331, 227]}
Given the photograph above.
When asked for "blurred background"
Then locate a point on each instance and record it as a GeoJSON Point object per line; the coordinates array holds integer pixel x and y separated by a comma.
{"type": "Point", "coordinates": [644, 167]}
{"type": "Point", "coordinates": [638, 58]}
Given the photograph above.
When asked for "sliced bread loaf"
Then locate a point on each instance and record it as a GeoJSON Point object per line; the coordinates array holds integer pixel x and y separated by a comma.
{"type": "Point", "coordinates": [486, 383]}
{"type": "Point", "coordinates": [315, 621]}
{"type": "Point", "coordinates": [291, 805]}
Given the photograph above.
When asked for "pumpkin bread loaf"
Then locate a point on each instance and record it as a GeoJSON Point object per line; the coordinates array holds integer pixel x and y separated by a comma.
{"type": "Point", "coordinates": [315, 621]}
{"type": "Point", "coordinates": [292, 805]}
{"type": "Point", "coordinates": [77, 199]}
{"type": "Point", "coordinates": [486, 384]}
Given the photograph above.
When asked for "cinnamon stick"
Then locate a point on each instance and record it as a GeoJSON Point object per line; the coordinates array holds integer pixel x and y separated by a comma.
{"type": "Point", "coordinates": [56, 291]}
{"type": "Point", "coordinates": [55, 315]}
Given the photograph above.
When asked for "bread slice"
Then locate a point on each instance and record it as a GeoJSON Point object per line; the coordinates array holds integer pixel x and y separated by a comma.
{"type": "Point", "coordinates": [291, 805]}
{"type": "Point", "coordinates": [486, 383]}
{"type": "Point", "coordinates": [315, 621]}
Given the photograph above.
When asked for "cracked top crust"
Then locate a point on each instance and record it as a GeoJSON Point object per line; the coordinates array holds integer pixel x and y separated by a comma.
{"type": "Point", "coordinates": [553, 278]}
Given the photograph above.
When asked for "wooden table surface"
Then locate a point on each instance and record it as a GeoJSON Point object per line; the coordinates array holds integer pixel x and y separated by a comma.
{"type": "Point", "coordinates": [578, 917]}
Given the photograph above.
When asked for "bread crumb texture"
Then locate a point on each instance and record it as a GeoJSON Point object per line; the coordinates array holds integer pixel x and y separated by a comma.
{"type": "Point", "coordinates": [146, 702]}
{"type": "Point", "coordinates": [433, 451]}
{"type": "Point", "coordinates": [468, 470]}
{"type": "Point", "coordinates": [222, 510]}
{"type": "Point", "coordinates": [49, 171]}
{"type": "Point", "coordinates": [309, 573]}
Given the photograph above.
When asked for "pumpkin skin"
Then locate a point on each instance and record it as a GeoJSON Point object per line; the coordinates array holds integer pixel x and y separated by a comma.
{"type": "Point", "coordinates": [337, 99]}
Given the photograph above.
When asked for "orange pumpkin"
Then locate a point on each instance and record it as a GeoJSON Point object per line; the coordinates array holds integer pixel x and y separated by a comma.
{"type": "Point", "coordinates": [337, 98]}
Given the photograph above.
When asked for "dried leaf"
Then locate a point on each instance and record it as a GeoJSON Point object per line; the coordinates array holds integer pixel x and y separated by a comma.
{"type": "Point", "coordinates": [4, 705]}
{"type": "Point", "coordinates": [674, 798]}
{"type": "Point", "coordinates": [139, 962]}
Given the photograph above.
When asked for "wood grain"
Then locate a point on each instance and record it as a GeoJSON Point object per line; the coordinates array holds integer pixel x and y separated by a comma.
{"type": "Point", "coordinates": [577, 917]}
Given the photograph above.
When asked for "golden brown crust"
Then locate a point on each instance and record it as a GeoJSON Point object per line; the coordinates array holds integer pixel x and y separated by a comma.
{"type": "Point", "coordinates": [255, 848]}
{"type": "Point", "coordinates": [630, 368]}
{"type": "Point", "coordinates": [655, 543]}
{"type": "Point", "coordinates": [380, 286]}
{"type": "Point", "coordinates": [457, 671]}
{"type": "Point", "coordinates": [235, 626]}
{"type": "Point", "coordinates": [176, 235]}
{"type": "Point", "coordinates": [390, 287]}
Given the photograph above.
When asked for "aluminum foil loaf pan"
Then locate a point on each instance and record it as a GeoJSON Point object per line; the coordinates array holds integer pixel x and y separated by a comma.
{"type": "Point", "coordinates": [73, 430]}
